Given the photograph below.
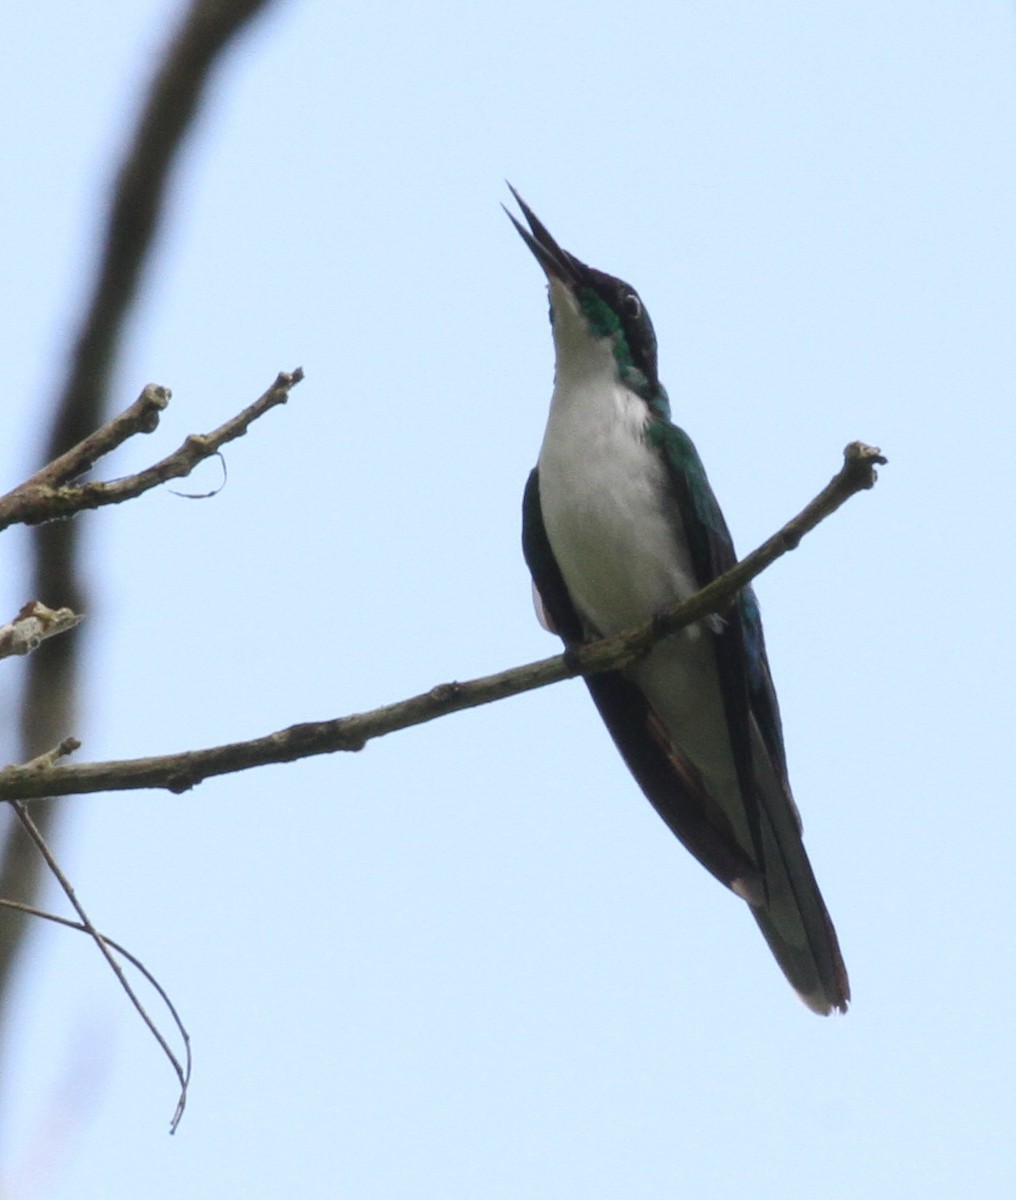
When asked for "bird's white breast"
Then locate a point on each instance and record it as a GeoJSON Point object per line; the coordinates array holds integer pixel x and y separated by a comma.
{"type": "Point", "coordinates": [604, 496]}
{"type": "Point", "coordinates": [618, 539]}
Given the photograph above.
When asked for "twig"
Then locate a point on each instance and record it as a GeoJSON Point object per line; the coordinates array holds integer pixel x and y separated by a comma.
{"type": "Point", "coordinates": [136, 962]}
{"type": "Point", "coordinates": [48, 759]}
{"type": "Point", "coordinates": [183, 1075]}
{"type": "Point", "coordinates": [33, 624]}
{"type": "Point", "coordinates": [142, 417]}
{"type": "Point", "coordinates": [45, 498]}
{"type": "Point", "coordinates": [179, 772]}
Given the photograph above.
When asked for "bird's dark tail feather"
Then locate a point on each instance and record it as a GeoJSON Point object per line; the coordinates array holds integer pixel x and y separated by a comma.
{"type": "Point", "coordinates": [794, 919]}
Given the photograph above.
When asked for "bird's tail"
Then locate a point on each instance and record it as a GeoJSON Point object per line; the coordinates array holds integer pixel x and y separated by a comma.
{"type": "Point", "coordinates": [792, 915]}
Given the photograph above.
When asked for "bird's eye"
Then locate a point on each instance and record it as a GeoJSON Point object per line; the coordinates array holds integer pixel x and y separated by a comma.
{"type": "Point", "coordinates": [633, 304]}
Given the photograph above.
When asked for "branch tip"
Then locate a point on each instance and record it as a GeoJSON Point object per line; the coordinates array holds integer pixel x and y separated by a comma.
{"type": "Point", "coordinates": [153, 401]}
{"type": "Point", "coordinates": [859, 462]}
{"type": "Point", "coordinates": [33, 624]}
{"type": "Point", "coordinates": [49, 759]}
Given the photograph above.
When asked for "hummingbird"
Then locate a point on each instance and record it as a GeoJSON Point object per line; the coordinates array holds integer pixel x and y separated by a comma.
{"type": "Point", "coordinates": [620, 523]}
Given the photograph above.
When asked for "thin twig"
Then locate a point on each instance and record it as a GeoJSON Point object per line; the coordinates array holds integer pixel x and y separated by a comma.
{"type": "Point", "coordinates": [30, 911]}
{"type": "Point", "coordinates": [179, 772]}
{"type": "Point", "coordinates": [45, 498]}
{"type": "Point", "coordinates": [183, 1074]}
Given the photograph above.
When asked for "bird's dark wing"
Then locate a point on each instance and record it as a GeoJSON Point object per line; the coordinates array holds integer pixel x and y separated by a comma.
{"type": "Point", "coordinates": [665, 775]}
{"type": "Point", "coordinates": [793, 915]}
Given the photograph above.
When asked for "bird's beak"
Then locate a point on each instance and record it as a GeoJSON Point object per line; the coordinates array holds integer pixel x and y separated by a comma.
{"type": "Point", "coordinates": [557, 263]}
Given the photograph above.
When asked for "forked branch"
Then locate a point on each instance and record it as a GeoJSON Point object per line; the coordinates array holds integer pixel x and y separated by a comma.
{"type": "Point", "coordinates": [179, 772]}
{"type": "Point", "coordinates": [51, 493]}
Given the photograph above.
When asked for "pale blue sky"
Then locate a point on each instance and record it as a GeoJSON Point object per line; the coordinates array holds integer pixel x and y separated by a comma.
{"type": "Point", "coordinates": [471, 961]}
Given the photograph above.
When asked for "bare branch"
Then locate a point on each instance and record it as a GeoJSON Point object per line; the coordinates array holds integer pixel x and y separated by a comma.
{"type": "Point", "coordinates": [46, 497]}
{"type": "Point", "coordinates": [179, 772]}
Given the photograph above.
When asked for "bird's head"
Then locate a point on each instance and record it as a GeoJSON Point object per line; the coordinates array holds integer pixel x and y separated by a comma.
{"type": "Point", "coordinates": [589, 307]}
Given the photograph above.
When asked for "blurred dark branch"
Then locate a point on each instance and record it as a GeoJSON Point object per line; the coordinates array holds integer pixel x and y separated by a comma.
{"type": "Point", "coordinates": [139, 195]}
{"type": "Point", "coordinates": [48, 496]}
{"type": "Point", "coordinates": [179, 772]}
